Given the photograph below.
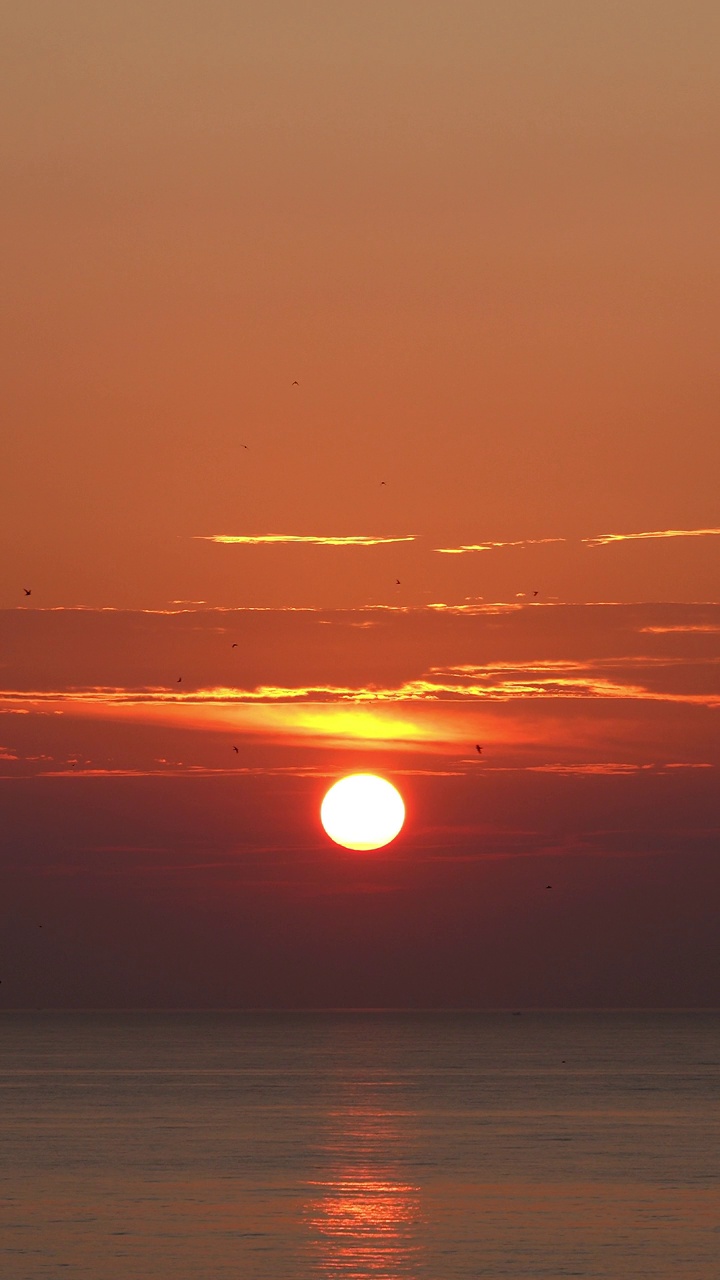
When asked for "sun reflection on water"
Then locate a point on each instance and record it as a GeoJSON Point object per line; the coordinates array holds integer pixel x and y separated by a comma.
{"type": "Point", "coordinates": [364, 1219]}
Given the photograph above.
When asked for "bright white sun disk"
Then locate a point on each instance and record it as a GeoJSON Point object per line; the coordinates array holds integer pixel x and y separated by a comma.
{"type": "Point", "coordinates": [362, 811]}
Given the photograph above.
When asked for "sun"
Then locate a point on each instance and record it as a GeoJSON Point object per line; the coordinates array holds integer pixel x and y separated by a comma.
{"type": "Point", "coordinates": [362, 811]}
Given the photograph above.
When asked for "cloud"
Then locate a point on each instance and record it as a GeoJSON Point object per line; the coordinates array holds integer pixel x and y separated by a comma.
{"type": "Point", "coordinates": [493, 546]}
{"type": "Point", "coordinates": [486, 689]}
{"type": "Point", "coordinates": [604, 539]}
{"type": "Point", "coordinates": [358, 540]}
{"type": "Point", "coordinates": [612, 768]}
{"type": "Point", "coordinates": [610, 678]}
{"type": "Point", "coordinates": [427, 679]}
{"type": "Point", "coordinates": [600, 540]}
{"type": "Point", "coordinates": [680, 629]}
{"type": "Point", "coordinates": [496, 608]}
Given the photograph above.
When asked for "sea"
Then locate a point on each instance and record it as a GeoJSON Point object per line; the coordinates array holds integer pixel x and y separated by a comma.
{"type": "Point", "coordinates": [359, 1146]}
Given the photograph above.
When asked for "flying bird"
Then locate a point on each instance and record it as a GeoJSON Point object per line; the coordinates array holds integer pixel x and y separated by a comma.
{"type": "Point", "coordinates": [28, 591]}
{"type": "Point", "coordinates": [478, 749]}
{"type": "Point", "coordinates": [236, 750]}
{"type": "Point", "coordinates": [234, 644]}
{"type": "Point", "coordinates": [179, 679]}
{"type": "Point", "coordinates": [548, 886]}
{"type": "Point", "coordinates": [534, 593]}
{"type": "Point", "coordinates": [397, 582]}
{"type": "Point", "coordinates": [296, 383]}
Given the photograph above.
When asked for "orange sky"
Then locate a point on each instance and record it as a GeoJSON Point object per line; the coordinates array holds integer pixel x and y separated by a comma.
{"type": "Point", "coordinates": [380, 341]}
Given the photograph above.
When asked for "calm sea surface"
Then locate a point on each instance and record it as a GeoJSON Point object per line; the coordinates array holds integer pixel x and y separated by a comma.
{"type": "Point", "coordinates": [365, 1146]}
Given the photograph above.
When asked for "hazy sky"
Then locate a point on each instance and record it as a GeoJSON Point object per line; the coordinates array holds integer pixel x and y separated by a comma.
{"type": "Point", "coordinates": [378, 340]}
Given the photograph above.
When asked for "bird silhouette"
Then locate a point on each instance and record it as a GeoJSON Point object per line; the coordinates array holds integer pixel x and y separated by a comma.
{"type": "Point", "coordinates": [234, 644]}
{"type": "Point", "coordinates": [296, 383]}
{"type": "Point", "coordinates": [534, 593]}
{"type": "Point", "coordinates": [179, 679]}
{"type": "Point", "coordinates": [382, 482]}
{"type": "Point", "coordinates": [236, 750]}
{"type": "Point", "coordinates": [478, 749]}
{"type": "Point", "coordinates": [28, 591]}
{"type": "Point", "coordinates": [548, 886]}
{"type": "Point", "coordinates": [397, 582]}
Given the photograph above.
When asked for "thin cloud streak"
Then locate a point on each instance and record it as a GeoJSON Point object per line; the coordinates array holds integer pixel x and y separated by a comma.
{"type": "Point", "coordinates": [493, 546]}
{"type": "Point", "coordinates": [611, 768]}
{"type": "Point", "coordinates": [359, 540]}
{"type": "Point", "coordinates": [498, 607]}
{"type": "Point", "coordinates": [600, 768]}
{"type": "Point", "coordinates": [599, 540]}
{"type": "Point", "coordinates": [680, 629]}
{"type": "Point", "coordinates": [204, 771]}
{"type": "Point", "coordinates": [605, 539]}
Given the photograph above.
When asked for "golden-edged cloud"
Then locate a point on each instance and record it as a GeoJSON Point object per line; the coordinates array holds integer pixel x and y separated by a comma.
{"type": "Point", "coordinates": [681, 629]}
{"type": "Point", "coordinates": [631, 677]}
{"type": "Point", "coordinates": [577, 679]}
{"type": "Point", "coordinates": [355, 540]}
{"type": "Point", "coordinates": [439, 606]}
{"type": "Point", "coordinates": [466, 549]}
{"type": "Point", "coordinates": [599, 540]}
{"type": "Point", "coordinates": [605, 539]}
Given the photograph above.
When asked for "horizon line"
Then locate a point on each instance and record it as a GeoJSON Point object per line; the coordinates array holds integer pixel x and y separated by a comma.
{"type": "Point", "coordinates": [366, 1009]}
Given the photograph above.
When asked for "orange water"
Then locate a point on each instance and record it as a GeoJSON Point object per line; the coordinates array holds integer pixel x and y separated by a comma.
{"type": "Point", "coordinates": [307, 1146]}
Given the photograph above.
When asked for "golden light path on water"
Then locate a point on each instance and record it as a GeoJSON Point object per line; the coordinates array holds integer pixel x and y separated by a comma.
{"type": "Point", "coordinates": [364, 1219]}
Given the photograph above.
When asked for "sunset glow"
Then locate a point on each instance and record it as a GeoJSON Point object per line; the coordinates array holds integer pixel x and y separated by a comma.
{"type": "Point", "coordinates": [360, 639]}
{"type": "Point", "coordinates": [361, 418]}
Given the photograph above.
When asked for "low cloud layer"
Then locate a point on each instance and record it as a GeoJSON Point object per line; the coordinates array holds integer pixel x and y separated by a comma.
{"type": "Point", "coordinates": [553, 687]}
